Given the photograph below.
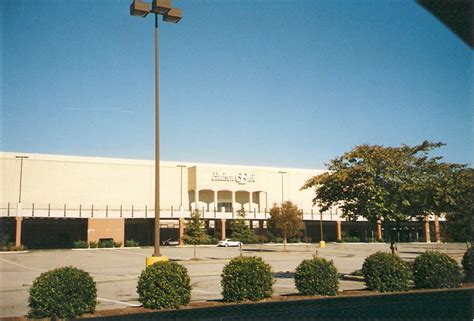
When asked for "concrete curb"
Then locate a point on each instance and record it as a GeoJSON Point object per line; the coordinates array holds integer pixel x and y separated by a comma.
{"type": "Point", "coordinates": [106, 248]}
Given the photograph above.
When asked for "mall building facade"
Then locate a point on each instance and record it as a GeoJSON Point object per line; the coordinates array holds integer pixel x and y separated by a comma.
{"type": "Point", "coordinates": [48, 199]}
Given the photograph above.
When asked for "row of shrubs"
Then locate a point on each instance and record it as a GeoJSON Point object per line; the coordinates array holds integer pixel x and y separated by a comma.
{"type": "Point", "coordinates": [68, 292]}
{"type": "Point", "coordinates": [103, 244]}
{"type": "Point", "coordinates": [12, 247]}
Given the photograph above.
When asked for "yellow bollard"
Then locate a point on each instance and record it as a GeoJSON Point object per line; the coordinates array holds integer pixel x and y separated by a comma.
{"type": "Point", "coordinates": [322, 244]}
{"type": "Point", "coordinates": [153, 259]}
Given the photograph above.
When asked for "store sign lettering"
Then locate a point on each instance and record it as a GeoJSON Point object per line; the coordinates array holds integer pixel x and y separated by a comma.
{"type": "Point", "coordinates": [240, 178]}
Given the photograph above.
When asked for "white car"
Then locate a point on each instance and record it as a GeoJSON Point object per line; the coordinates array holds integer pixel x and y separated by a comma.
{"type": "Point", "coordinates": [229, 242]}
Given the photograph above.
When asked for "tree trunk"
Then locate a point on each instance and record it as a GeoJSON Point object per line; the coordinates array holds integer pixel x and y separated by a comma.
{"type": "Point", "coordinates": [284, 243]}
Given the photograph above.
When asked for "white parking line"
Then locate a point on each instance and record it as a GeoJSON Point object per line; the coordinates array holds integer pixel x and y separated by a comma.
{"type": "Point", "coordinates": [285, 286]}
{"type": "Point", "coordinates": [205, 292]}
{"type": "Point", "coordinates": [120, 302]}
{"type": "Point", "coordinates": [21, 265]}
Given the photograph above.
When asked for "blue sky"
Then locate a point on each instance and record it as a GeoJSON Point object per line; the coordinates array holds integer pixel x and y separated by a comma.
{"type": "Point", "coordinates": [270, 83]}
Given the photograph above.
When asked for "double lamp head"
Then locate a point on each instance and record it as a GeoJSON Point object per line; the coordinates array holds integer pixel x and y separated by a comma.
{"type": "Point", "coordinates": [161, 7]}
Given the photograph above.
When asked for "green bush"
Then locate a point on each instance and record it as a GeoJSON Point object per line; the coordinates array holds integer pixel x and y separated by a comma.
{"type": "Point", "coordinates": [467, 264]}
{"type": "Point", "coordinates": [117, 244]}
{"type": "Point", "coordinates": [12, 247]}
{"type": "Point", "coordinates": [357, 273]}
{"type": "Point", "coordinates": [316, 276]}
{"type": "Point", "coordinates": [80, 245]}
{"type": "Point", "coordinates": [164, 285]}
{"type": "Point", "coordinates": [212, 240]}
{"type": "Point", "coordinates": [93, 244]}
{"type": "Point", "coordinates": [246, 278]}
{"type": "Point", "coordinates": [276, 239]}
{"type": "Point", "coordinates": [106, 243]}
{"type": "Point", "coordinates": [262, 238]}
{"type": "Point", "coordinates": [351, 239]}
{"type": "Point", "coordinates": [62, 293]}
{"type": "Point", "coordinates": [385, 272]}
{"type": "Point", "coordinates": [434, 270]}
{"type": "Point", "coordinates": [131, 243]}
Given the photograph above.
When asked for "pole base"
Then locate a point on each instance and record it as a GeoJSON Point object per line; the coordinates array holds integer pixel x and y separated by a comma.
{"type": "Point", "coordinates": [322, 244]}
{"type": "Point", "coordinates": [153, 259]}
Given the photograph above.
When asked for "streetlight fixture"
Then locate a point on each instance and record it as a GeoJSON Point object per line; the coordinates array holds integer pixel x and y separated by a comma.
{"type": "Point", "coordinates": [282, 172]}
{"type": "Point", "coordinates": [181, 186]}
{"type": "Point", "coordinates": [142, 9]}
{"type": "Point", "coordinates": [21, 174]}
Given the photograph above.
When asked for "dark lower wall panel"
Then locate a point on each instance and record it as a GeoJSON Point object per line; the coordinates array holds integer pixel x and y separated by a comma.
{"type": "Point", "coordinates": [7, 229]}
{"type": "Point", "coordinates": [53, 233]}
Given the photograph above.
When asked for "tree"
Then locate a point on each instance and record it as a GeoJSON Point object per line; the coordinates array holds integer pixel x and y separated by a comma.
{"type": "Point", "coordinates": [393, 184]}
{"type": "Point", "coordinates": [240, 231]}
{"type": "Point", "coordinates": [285, 220]}
{"type": "Point", "coordinates": [458, 219]}
{"type": "Point", "coordinates": [195, 232]}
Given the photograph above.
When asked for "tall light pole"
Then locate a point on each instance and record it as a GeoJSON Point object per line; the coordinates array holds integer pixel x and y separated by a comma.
{"type": "Point", "coordinates": [21, 175]}
{"type": "Point", "coordinates": [281, 172]}
{"type": "Point", "coordinates": [181, 186]}
{"type": "Point", "coordinates": [173, 15]}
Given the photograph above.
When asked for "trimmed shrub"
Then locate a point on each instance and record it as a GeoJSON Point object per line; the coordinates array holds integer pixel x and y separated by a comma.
{"type": "Point", "coordinates": [13, 247]}
{"type": "Point", "coordinates": [385, 272]}
{"type": "Point", "coordinates": [434, 270]}
{"type": "Point", "coordinates": [80, 245]}
{"type": "Point", "coordinates": [357, 273]}
{"type": "Point", "coordinates": [93, 245]}
{"type": "Point", "coordinates": [316, 276]}
{"type": "Point", "coordinates": [117, 244]}
{"type": "Point", "coordinates": [164, 285]}
{"type": "Point", "coordinates": [246, 278]}
{"type": "Point", "coordinates": [467, 264]}
{"type": "Point", "coordinates": [131, 243]}
{"type": "Point", "coordinates": [65, 292]}
{"type": "Point", "coordinates": [106, 243]}
{"type": "Point", "coordinates": [351, 239]}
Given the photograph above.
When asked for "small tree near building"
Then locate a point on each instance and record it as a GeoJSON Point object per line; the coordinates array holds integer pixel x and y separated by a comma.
{"type": "Point", "coordinates": [285, 220]}
{"type": "Point", "coordinates": [195, 232]}
{"type": "Point", "coordinates": [240, 231]}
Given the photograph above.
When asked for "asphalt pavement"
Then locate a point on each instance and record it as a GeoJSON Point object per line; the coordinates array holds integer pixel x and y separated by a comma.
{"type": "Point", "coordinates": [116, 271]}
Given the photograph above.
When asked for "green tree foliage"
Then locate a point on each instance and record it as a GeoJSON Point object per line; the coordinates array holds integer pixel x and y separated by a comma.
{"type": "Point", "coordinates": [246, 278]}
{"type": "Point", "coordinates": [285, 220]}
{"type": "Point", "coordinates": [390, 183]}
{"type": "Point", "coordinates": [65, 292]}
{"type": "Point", "coordinates": [459, 217]}
{"type": "Point", "coordinates": [164, 285]}
{"type": "Point", "coordinates": [316, 276]}
{"type": "Point", "coordinates": [240, 231]}
{"type": "Point", "coordinates": [385, 272]}
{"type": "Point", "coordinates": [434, 270]}
{"type": "Point", "coordinates": [466, 263]}
{"type": "Point", "coordinates": [195, 232]}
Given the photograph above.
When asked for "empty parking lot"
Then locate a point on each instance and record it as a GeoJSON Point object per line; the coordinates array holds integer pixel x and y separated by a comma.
{"type": "Point", "coordinates": [116, 270]}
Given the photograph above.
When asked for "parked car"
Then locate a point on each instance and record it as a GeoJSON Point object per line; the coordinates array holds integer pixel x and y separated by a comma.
{"type": "Point", "coordinates": [229, 242]}
{"type": "Point", "coordinates": [169, 242]}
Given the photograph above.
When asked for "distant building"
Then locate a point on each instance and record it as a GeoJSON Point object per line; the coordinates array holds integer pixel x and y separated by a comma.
{"type": "Point", "coordinates": [70, 198]}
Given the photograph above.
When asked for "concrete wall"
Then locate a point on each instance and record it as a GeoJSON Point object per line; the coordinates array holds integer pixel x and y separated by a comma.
{"type": "Point", "coordinates": [53, 181]}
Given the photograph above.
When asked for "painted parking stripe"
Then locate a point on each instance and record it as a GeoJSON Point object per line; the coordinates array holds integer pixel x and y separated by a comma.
{"type": "Point", "coordinates": [120, 302]}
{"type": "Point", "coordinates": [205, 292]}
{"type": "Point", "coordinates": [21, 265]}
{"type": "Point", "coordinates": [284, 286]}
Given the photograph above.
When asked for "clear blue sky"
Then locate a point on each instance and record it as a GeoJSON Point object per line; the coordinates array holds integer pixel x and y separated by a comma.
{"type": "Point", "coordinates": [272, 83]}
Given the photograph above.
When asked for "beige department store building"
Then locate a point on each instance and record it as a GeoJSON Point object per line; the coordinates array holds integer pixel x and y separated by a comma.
{"type": "Point", "coordinates": [91, 198]}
